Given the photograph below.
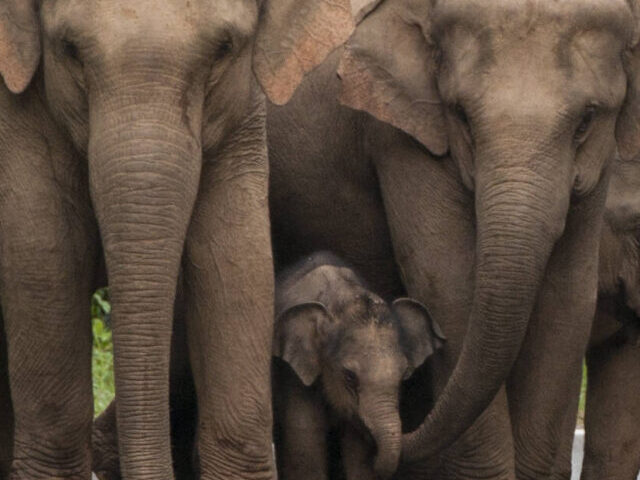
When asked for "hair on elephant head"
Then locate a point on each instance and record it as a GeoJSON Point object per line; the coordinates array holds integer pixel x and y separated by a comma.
{"type": "Point", "coordinates": [530, 101]}
{"type": "Point", "coordinates": [149, 92]}
{"type": "Point", "coordinates": [359, 348]}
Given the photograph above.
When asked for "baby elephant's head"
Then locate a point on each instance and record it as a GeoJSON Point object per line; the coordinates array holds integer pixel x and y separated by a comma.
{"type": "Point", "coordinates": [361, 350]}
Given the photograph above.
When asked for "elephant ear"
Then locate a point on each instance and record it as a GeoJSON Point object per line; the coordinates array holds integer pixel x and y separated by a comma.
{"type": "Point", "coordinates": [297, 339]}
{"type": "Point", "coordinates": [388, 70]}
{"type": "Point", "coordinates": [19, 43]}
{"type": "Point", "coordinates": [628, 125]}
{"type": "Point", "coordinates": [420, 334]}
{"type": "Point", "coordinates": [294, 36]}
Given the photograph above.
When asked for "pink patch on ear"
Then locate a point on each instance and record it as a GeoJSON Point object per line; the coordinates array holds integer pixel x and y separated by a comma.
{"type": "Point", "coordinates": [16, 74]}
{"type": "Point", "coordinates": [373, 90]}
{"type": "Point", "coordinates": [283, 57]}
{"type": "Point", "coordinates": [19, 45]}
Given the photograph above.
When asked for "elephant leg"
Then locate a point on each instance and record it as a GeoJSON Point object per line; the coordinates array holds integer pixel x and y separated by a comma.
{"type": "Point", "coordinates": [431, 219]}
{"type": "Point", "coordinates": [104, 445]}
{"type": "Point", "coordinates": [6, 410]}
{"type": "Point", "coordinates": [543, 388]}
{"type": "Point", "coordinates": [300, 428]}
{"type": "Point", "coordinates": [612, 438]}
{"type": "Point", "coordinates": [356, 455]}
{"type": "Point", "coordinates": [229, 296]}
{"type": "Point", "coordinates": [47, 265]}
{"type": "Point", "coordinates": [563, 464]}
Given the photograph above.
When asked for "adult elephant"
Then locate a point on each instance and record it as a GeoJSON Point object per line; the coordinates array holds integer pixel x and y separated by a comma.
{"type": "Point", "coordinates": [612, 436]}
{"type": "Point", "coordinates": [143, 121]}
{"type": "Point", "coordinates": [483, 199]}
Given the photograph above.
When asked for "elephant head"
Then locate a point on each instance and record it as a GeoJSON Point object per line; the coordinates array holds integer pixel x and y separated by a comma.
{"type": "Point", "coordinates": [529, 100]}
{"type": "Point", "coordinates": [361, 353]}
{"type": "Point", "coordinates": [619, 260]}
{"type": "Point", "coordinates": [146, 91]}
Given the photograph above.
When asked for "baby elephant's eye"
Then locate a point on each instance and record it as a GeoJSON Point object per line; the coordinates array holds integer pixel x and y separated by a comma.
{"type": "Point", "coordinates": [351, 380]}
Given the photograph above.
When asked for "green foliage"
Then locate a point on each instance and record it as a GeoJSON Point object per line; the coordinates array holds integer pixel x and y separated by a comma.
{"type": "Point", "coordinates": [102, 358]}
{"type": "Point", "coordinates": [583, 395]}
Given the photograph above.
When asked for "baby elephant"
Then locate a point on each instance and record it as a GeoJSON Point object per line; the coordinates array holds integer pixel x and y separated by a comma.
{"type": "Point", "coordinates": [341, 355]}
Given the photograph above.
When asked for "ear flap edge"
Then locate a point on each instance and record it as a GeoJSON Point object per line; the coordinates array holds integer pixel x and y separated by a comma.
{"type": "Point", "coordinates": [295, 339]}
{"type": "Point", "coordinates": [399, 89]}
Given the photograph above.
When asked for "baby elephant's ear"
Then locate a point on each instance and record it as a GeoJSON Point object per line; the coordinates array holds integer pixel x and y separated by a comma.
{"type": "Point", "coordinates": [420, 334]}
{"type": "Point", "coordinates": [19, 43]}
{"type": "Point", "coordinates": [296, 339]}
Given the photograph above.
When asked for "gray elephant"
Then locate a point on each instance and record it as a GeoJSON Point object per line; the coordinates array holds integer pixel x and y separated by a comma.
{"type": "Point", "coordinates": [143, 121]}
{"type": "Point", "coordinates": [483, 200]}
{"type": "Point", "coordinates": [612, 440]}
{"type": "Point", "coordinates": [343, 353]}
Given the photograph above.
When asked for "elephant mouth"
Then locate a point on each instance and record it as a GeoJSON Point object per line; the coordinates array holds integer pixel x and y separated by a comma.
{"type": "Point", "coordinates": [364, 433]}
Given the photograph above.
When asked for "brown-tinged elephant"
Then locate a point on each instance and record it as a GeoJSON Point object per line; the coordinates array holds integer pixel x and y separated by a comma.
{"type": "Point", "coordinates": [612, 432]}
{"type": "Point", "coordinates": [341, 355]}
{"type": "Point", "coordinates": [143, 124]}
{"type": "Point", "coordinates": [483, 199]}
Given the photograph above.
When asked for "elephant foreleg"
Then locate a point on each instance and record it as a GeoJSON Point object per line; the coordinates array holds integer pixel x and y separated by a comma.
{"type": "Point", "coordinates": [47, 256]}
{"type": "Point", "coordinates": [104, 445]}
{"type": "Point", "coordinates": [300, 428]}
{"type": "Point", "coordinates": [543, 388]}
{"type": "Point", "coordinates": [612, 438]}
{"type": "Point", "coordinates": [229, 296]}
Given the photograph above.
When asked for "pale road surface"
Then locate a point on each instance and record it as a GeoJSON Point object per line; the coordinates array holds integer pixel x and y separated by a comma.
{"type": "Point", "coordinates": [578, 446]}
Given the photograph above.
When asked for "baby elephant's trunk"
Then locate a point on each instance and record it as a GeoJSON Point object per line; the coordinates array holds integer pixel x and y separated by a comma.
{"type": "Point", "coordinates": [385, 427]}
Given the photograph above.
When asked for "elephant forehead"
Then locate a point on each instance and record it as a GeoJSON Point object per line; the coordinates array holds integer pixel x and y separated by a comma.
{"type": "Point", "coordinates": [532, 65]}
{"type": "Point", "coordinates": [520, 17]}
{"type": "Point", "coordinates": [115, 23]}
{"type": "Point", "coordinates": [370, 341]}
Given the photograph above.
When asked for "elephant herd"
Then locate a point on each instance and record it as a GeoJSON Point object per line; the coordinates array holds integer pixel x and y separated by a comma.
{"type": "Point", "coordinates": [361, 239]}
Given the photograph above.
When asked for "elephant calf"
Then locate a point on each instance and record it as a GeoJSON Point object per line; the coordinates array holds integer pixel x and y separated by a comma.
{"type": "Point", "coordinates": [341, 355]}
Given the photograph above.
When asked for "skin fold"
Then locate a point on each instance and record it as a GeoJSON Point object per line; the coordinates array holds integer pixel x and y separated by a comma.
{"type": "Point", "coordinates": [134, 133]}
{"type": "Point", "coordinates": [612, 438]}
{"type": "Point", "coordinates": [484, 202]}
{"type": "Point", "coordinates": [342, 353]}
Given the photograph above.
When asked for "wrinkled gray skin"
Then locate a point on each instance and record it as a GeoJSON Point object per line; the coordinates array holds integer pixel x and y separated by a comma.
{"type": "Point", "coordinates": [346, 352]}
{"type": "Point", "coordinates": [143, 121]}
{"type": "Point", "coordinates": [612, 443]}
{"type": "Point", "coordinates": [485, 203]}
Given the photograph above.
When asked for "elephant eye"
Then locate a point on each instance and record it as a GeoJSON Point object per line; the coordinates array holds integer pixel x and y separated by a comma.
{"type": "Point", "coordinates": [224, 48]}
{"type": "Point", "coordinates": [351, 380]}
{"type": "Point", "coordinates": [461, 114]}
{"type": "Point", "coordinates": [71, 50]}
{"type": "Point", "coordinates": [585, 123]}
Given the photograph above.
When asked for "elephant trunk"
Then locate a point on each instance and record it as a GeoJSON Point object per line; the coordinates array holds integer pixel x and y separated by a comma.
{"type": "Point", "coordinates": [521, 210]}
{"type": "Point", "coordinates": [144, 165]}
{"type": "Point", "coordinates": [386, 429]}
